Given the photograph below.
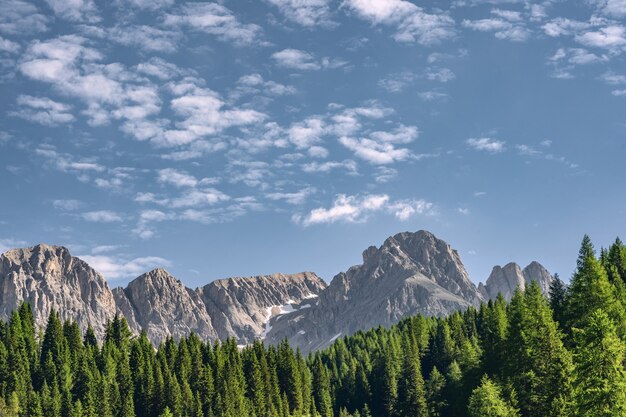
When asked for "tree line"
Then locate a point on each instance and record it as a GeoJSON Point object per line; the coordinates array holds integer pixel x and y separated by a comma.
{"type": "Point", "coordinates": [536, 356]}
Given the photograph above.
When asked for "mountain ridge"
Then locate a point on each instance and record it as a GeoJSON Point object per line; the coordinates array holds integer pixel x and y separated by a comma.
{"type": "Point", "coordinates": [410, 273]}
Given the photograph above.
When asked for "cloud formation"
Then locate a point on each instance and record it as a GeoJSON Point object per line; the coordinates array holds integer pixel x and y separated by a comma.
{"type": "Point", "coordinates": [357, 208]}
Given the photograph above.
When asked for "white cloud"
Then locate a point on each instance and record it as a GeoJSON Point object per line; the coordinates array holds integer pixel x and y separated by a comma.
{"type": "Point", "coordinates": [529, 151]}
{"type": "Point", "coordinates": [75, 10]}
{"type": "Point", "coordinates": [254, 83]}
{"type": "Point", "coordinates": [66, 163]}
{"type": "Point", "coordinates": [297, 197]}
{"type": "Point", "coordinates": [104, 249]}
{"type": "Point", "coordinates": [380, 147]}
{"type": "Point", "coordinates": [43, 110]}
{"type": "Point", "coordinates": [613, 78]}
{"type": "Point", "coordinates": [73, 69]}
{"type": "Point", "coordinates": [396, 83]}
{"type": "Point", "coordinates": [146, 38]}
{"type": "Point", "coordinates": [102, 216]}
{"type": "Point", "coordinates": [510, 15]}
{"type": "Point", "coordinates": [619, 93]}
{"type": "Point", "coordinates": [302, 60]}
{"type": "Point", "coordinates": [411, 23]}
{"type": "Point", "coordinates": [505, 29]}
{"type": "Point", "coordinates": [195, 198]}
{"type": "Point", "coordinates": [146, 4]}
{"type": "Point", "coordinates": [306, 133]}
{"type": "Point", "coordinates": [119, 267]}
{"type": "Point", "coordinates": [217, 20]}
{"type": "Point", "coordinates": [613, 8]}
{"type": "Point", "coordinates": [442, 75]}
{"type": "Point", "coordinates": [611, 37]}
{"type": "Point", "coordinates": [432, 95]}
{"type": "Point", "coordinates": [486, 144]}
{"type": "Point", "coordinates": [352, 209]}
{"type": "Point", "coordinates": [463, 210]}
{"type": "Point", "coordinates": [307, 13]}
{"type": "Point", "coordinates": [18, 17]}
{"type": "Point", "coordinates": [144, 229]}
{"type": "Point", "coordinates": [8, 46]}
{"type": "Point", "coordinates": [67, 205]}
{"type": "Point", "coordinates": [159, 68]}
{"type": "Point", "coordinates": [8, 244]}
{"type": "Point", "coordinates": [204, 115]}
{"type": "Point", "coordinates": [562, 26]}
{"type": "Point", "coordinates": [318, 152]}
{"type": "Point", "coordinates": [348, 164]}
{"type": "Point", "coordinates": [177, 178]}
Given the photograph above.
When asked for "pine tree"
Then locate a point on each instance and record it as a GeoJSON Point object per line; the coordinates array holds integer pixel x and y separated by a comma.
{"type": "Point", "coordinates": [539, 366]}
{"type": "Point", "coordinates": [411, 392]}
{"type": "Point", "coordinates": [487, 401]}
{"type": "Point", "coordinates": [600, 376]}
{"type": "Point", "coordinates": [558, 295]}
{"type": "Point", "coordinates": [321, 388]}
{"type": "Point", "coordinates": [435, 385]}
{"type": "Point", "coordinates": [493, 331]}
{"type": "Point", "coordinates": [166, 413]}
{"type": "Point", "coordinates": [590, 290]}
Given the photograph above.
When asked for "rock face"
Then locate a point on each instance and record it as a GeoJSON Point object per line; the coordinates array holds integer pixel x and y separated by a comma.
{"type": "Point", "coordinates": [162, 306]}
{"type": "Point", "coordinates": [506, 279]}
{"type": "Point", "coordinates": [48, 277]}
{"type": "Point", "coordinates": [410, 273]}
{"type": "Point", "coordinates": [242, 307]}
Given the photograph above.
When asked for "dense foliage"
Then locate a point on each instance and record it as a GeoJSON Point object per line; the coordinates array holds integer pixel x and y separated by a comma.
{"type": "Point", "coordinates": [532, 357]}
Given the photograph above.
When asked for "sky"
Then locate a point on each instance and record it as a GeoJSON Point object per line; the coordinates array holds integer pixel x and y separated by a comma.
{"type": "Point", "coordinates": [242, 137]}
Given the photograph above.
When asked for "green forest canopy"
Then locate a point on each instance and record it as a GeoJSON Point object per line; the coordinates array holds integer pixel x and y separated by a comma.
{"type": "Point", "coordinates": [533, 357]}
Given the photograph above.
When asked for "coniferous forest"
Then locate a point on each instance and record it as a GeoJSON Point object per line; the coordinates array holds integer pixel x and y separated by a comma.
{"type": "Point", "coordinates": [536, 356]}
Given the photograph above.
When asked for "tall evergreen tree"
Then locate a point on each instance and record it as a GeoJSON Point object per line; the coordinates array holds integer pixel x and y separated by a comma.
{"type": "Point", "coordinates": [600, 376]}
{"type": "Point", "coordinates": [487, 401]}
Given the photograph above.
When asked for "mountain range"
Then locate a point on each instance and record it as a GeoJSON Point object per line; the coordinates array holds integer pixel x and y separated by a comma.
{"type": "Point", "coordinates": [410, 273]}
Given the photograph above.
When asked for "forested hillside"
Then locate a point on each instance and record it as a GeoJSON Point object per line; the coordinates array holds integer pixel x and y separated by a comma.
{"type": "Point", "coordinates": [534, 357]}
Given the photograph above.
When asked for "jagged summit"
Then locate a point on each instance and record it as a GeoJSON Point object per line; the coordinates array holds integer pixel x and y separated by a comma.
{"type": "Point", "coordinates": [49, 277]}
{"type": "Point", "coordinates": [507, 279]}
{"type": "Point", "coordinates": [410, 273]}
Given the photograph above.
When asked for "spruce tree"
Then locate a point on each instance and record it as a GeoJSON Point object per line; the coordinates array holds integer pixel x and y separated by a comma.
{"type": "Point", "coordinates": [539, 366]}
{"type": "Point", "coordinates": [600, 377]}
{"type": "Point", "coordinates": [487, 401]}
{"type": "Point", "coordinates": [411, 392]}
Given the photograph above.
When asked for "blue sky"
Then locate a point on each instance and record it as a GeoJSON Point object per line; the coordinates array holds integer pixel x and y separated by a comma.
{"type": "Point", "coordinates": [248, 137]}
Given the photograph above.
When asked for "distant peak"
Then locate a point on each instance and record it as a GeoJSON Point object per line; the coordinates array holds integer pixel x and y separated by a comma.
{"type": "Point", "coordinates": [41, 248]}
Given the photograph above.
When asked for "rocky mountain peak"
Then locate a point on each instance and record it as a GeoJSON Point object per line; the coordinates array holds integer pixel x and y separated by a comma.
{"type": "Point", "coordinates": [505, 280]}
{"type": "Point", "coordinates": [409, 273]}
{"type": "Point", "coordinates": [49, 277]}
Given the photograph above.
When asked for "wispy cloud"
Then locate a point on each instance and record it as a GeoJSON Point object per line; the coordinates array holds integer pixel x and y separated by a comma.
{"type": "Point", "coordinates": [20, 17]}
{"type": "Point", "coordinates": [75, 10]}
{"type": "Point", "coordinates": [43, 110]}
{"type": "Point", "coordinates": [302, 60]}
{"type": "Point", "coordinates": [358, 208]}
{"type": "Point", "coordinates": [410, 22]}
{"type": "Point", "coordinates": [307, 13]}
{"type": "Point", "coordinates": [67, 205]}
{"type": "Point", "coordinates": [486, 144]}
{"type": "Point", "coordinates": [215, 19]}
{"type": "Point", "coordinates": [116, 267]}
{"type": "Point", "coordinates": [102, 216]}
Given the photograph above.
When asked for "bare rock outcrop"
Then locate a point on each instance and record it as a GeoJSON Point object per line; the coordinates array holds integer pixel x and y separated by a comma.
{"type": "Point", "coordinates": [411, 273]}
{"type": "Point", "coordinates": [242, 307]}
{"type": "Point", "coordinates": [48, 277]}
{"type": "Point", "coordinates": [162, 306]}
{"type": "Point", "coordinates": [505, 280]}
